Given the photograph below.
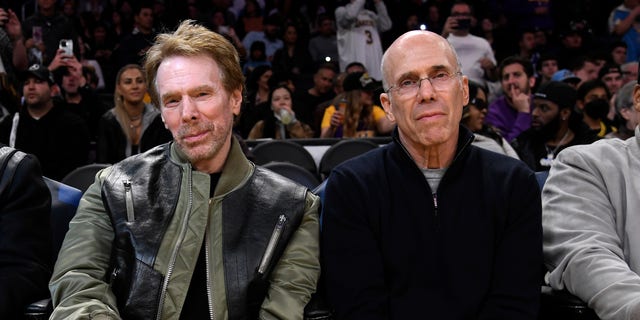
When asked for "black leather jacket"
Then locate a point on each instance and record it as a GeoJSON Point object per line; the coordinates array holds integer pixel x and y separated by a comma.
{"type": "Point", "coordinates": [140, 212]}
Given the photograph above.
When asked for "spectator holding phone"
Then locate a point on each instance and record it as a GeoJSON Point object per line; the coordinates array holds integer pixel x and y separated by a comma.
{"type": "Point", "coordinates": [45, 29]}
{"type": "Point", "coordinates": [475, 53]}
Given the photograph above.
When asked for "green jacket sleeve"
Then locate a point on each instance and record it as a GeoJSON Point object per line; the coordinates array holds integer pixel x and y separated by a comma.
{"type": "Point", "coordinates": [79, 286]}
{"type": "Point", "coordinates": [295, 277]}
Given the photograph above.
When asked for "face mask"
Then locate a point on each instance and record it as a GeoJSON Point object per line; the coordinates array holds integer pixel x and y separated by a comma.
{"type": "Point", "coordinates": [597, 109]}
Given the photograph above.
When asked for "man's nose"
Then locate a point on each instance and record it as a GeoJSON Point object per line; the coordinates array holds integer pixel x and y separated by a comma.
{"type": "Point", "coordinates": [189, 109]}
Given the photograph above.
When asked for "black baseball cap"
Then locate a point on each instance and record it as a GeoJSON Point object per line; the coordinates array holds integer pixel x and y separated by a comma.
{"type": "Point", "coordinates": [558, 92]}
{"type": "Point", "coordinates": [39, 71]}
{"type": "Point", "coordinates": [360, 81]}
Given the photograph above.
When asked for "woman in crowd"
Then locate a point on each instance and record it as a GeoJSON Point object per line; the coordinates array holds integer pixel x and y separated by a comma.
{"type": "Point", "coordinates": [255, 107]}
{"type": "Point", "coordinates": [473, 118]}
{"type": "Point", "coordinates": [282, 122]}
{"type": "Point", "coordinates": [132, 126]}
{"type": "Point", "coordinates": [355, 114]}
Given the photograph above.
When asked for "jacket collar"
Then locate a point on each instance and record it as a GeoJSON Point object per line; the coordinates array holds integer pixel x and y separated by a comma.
{"type": "Point", "coordinates": [236, 170]}
{"type": "Point", "coordinates": [465, 137]}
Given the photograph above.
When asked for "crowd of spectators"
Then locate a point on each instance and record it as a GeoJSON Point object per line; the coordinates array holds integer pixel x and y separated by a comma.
{"type": "Point", "coordinates": [310, 47]}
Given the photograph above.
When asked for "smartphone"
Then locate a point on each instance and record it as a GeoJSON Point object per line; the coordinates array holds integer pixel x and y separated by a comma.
{"type": "Point", "coordinates": [463, 24]}
{"type": "Point", "coordinates": [36, 34]}
{"type": "Point", "coordinates": [67, 46]}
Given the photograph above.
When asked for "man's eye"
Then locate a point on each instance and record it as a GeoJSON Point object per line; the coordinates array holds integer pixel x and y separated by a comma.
{"type": "Point", "coordinates": [441, 76]}
{"type": "Point", "coordinates": [170, 103]}
{"type": "Point", "coordinates": [408, 83]}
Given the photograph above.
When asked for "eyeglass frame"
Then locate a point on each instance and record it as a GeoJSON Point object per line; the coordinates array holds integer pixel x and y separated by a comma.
{"type": "Point", "coordinates": [396, 87]}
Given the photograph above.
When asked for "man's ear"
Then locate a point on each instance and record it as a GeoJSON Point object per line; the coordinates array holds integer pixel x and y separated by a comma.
{"type": "Point", "coordinates": [565, 113]}
{"type": "Point", "coordinates": [636, 97]}
{"type": "Point", "coordinates": [386, 105]}
{"type": "Point", "coordinates": [236, 101]}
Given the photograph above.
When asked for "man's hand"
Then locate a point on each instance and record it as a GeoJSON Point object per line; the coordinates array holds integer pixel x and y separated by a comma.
{"type": "Point", "coordinates": [9, 20]}
{"type": "Point", "coordinates": [519, 100]}
{"type": "Point", "coordinates": [59, 60]}
{"type": "Point", "coordinates": [449, 26]}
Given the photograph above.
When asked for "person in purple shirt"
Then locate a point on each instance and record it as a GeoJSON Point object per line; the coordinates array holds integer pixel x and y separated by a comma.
{"type": "Point", "coordinates": [511, 113]}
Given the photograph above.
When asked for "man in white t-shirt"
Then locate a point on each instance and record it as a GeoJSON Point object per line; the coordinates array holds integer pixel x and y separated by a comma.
{"type": "Point", "coordinates": [359, 34]}
{"type": "Point", "coordinates": [475, 53]}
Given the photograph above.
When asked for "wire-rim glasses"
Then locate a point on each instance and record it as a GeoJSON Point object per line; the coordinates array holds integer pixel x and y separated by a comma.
{"type": "Point", "coordinates": [439, 82]}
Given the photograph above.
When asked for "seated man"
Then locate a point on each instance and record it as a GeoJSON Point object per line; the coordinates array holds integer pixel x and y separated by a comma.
{"type": "Point", "coordinates": [590, 222]}
{"type": "Point", "coordinates": [25, 238]}
{"type": "Point", "coordinates": [430, 226]}
{"type": "Point", "coordinates": [190, 228]}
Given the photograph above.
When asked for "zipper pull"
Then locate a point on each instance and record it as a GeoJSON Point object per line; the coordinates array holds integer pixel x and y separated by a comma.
{"type": "Point", "coordinates": [435, 203]}
{"type": "Point", "coordinates": [128, 198]}
{"type": "Point", "coordinates": [275, 237]}
{"type": "Point", "coordinates": [114, 274]}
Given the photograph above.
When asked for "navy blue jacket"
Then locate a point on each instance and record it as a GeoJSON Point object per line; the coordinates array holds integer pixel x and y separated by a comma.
{"type": "Point", "coordinates": [389, 253]}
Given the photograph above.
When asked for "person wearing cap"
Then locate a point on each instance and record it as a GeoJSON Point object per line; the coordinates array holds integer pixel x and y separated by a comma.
{"type": "Point", "coordinates": [571, 44]}
{"type": "Point", "coordinates": [628, 115]}
{"type": "Point", "coordinates": [353, 113]}
{"type": "Point", "coordinates": [566, 76]}
{"type": "Point", "coordinates": [511, 113]}
{"type": "Point", "coordinates": [591, 223]}
{"type": "Point", "coordinates": [554, 126]}
{"type": "Point", "coordinates": [430, 226]}
{"type": "Point", "coordinates": [44, 128]}
{"type": "Point", "coordinates": [585, 68]}
{"type": "Point", "coordinates": [611, 75]}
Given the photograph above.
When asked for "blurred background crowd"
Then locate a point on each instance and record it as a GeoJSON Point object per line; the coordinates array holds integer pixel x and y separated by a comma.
{"type": "Point", "coordinates": [312, 70]}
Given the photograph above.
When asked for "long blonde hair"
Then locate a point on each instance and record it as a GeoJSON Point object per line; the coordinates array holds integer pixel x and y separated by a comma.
{"type": "Point", "coordinates": [118, 100]}
{"type": "Point", "coordinates": [354, 112]}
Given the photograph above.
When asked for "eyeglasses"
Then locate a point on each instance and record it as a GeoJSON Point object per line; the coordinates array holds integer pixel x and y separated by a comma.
{"type": "Point", "coordinates": [440, 81]}
{"type": "Point", "coordinates": [478, 103]}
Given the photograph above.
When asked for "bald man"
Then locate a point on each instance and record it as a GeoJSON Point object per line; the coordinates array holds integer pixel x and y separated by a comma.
{"type": "Point", "coordinates": [430, 225]}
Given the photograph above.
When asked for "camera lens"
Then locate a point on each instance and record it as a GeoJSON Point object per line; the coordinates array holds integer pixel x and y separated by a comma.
{"type": "Point", "coordinates": [63, 43]}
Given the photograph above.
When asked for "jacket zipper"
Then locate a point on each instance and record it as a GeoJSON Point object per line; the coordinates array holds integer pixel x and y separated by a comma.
{"type": "Point", "coordinates": [207, 261]}
{"type": "Point", "coordinates": [174, 254]}
{"type": "Point", "coordinates": [275, 237]}
{"type": "Point", "coordinates": [435, 211]}
{"type": "Point", "coordinates": [114, 275]}
{"type": "Point", "coordinates": [128, 198]}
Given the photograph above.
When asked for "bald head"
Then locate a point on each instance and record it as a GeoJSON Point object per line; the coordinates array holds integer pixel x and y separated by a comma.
{"type": "Point", "coordinates": [400, 51]}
